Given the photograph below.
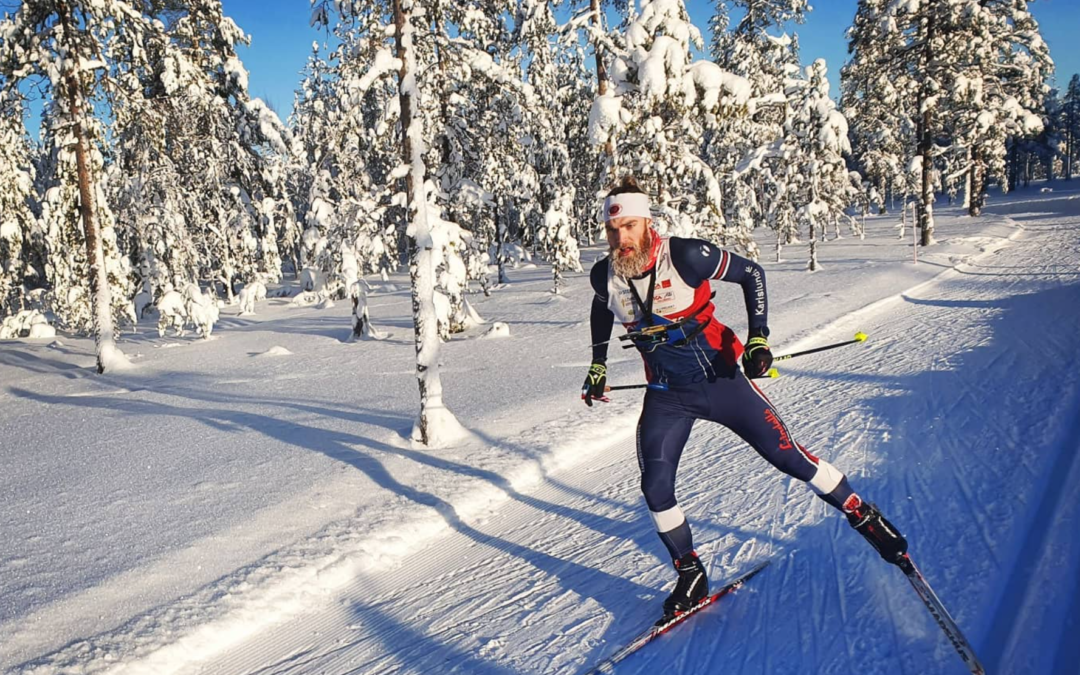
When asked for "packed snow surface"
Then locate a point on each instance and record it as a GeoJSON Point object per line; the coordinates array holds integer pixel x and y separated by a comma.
{"type": "Point", "coordinates": [210, 512]}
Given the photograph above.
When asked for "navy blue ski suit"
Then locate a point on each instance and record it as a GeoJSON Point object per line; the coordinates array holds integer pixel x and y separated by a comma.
{"type": "Point", "coordinates": [701, 373]}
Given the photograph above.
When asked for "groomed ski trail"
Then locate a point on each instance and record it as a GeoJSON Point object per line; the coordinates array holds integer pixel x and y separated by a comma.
{"type": "Point", "coordinates": [544, 590]}
{"type": "Point", "coordinates": [564, 571]}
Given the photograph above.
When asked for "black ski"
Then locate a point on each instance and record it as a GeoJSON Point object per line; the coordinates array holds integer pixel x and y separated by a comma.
{"type": "Point", "coordinates": [664, 625]}
{"type": "Point", "coordinates": [941, 615]}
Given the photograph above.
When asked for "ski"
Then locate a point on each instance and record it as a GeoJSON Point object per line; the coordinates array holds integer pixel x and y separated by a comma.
{"type": "Point", "coordinates": [664, 625]}
{"type": "Point", "coordinates": [941, 615]}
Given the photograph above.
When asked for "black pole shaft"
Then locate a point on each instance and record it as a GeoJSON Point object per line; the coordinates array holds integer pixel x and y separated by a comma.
{"type": "Point", "coordinates": [785, 357]}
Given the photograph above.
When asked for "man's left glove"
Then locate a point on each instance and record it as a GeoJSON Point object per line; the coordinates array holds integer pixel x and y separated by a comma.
{"type": "Point", "coordinates": [757, 357]}
{"type": "Point", "coordinates": [595, 381]}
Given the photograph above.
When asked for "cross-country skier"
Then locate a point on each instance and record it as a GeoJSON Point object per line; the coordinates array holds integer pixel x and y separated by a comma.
{"type": "Point", "coordinates": [648, 281]}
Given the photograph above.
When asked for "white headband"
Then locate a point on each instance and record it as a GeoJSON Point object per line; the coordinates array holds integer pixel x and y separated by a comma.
{"type": "Point", "coordinates": [627, 204]}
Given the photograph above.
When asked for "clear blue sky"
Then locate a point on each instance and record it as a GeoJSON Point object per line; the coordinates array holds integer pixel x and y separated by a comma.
{"type": "Point", "coordinates": [281, 39]}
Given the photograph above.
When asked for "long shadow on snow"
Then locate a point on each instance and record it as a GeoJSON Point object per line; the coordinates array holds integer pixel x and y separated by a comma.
{"type": "Point", "coordinates": [606, 589]}
{"type": "Point", "coordinates": [402, 426]}
{"type": "Point", "coordinates": [35, 363]}
{"type": "Point", "coordinates": [343, 447]}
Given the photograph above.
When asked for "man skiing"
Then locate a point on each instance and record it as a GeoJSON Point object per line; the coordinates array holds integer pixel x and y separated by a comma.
{"type": "Point", "coordinates": [658, 288]}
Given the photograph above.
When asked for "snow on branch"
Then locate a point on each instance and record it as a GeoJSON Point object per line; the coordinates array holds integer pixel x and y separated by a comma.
{"type": "Point", "coordinates": [385, 62]}
{"type": "Point", "coordinates": [482, 62]}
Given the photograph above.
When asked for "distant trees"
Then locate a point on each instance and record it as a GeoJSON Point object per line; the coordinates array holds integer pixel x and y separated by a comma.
{"type": "Point", "coordinates": [1070, 125]}
{"type": "Point", "coordinates": [934, 86]}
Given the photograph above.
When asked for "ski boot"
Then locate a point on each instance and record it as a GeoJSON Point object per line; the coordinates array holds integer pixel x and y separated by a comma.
{"type": "Point", "coordinates": [691, 588]}
{"type": "Point", "coordinates": [882, 535]}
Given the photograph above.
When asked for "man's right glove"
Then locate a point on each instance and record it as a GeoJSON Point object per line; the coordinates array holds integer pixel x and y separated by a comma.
{"type": "Point", "coordinates": [595, 381]}
{"type": "Point", "coordinates": [757, 357]}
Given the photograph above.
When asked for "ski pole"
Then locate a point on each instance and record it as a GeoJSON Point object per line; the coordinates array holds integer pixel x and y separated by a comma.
{"type": "Point", "coordinates": [859, 337]}
{"type": "Point", "coordinates": [658, 386]}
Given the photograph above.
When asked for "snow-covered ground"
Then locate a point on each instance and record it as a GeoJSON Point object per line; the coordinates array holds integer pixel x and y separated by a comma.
{"type": "Point", "coordinates": [251, 503]}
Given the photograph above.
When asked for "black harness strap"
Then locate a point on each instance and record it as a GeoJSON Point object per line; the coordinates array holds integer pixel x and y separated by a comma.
{"type": "Point", "coordinates": [645, 308]}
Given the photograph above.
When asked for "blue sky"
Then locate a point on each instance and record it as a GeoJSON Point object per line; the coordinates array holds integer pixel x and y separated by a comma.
{"type": "Point", "coordinates": [281, 39]}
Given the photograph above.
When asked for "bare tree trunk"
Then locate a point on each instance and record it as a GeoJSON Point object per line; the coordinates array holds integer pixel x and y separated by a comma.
{"type": "Point", "coordinates": [1014, 164]}
{"type": "Point", "coordinates": [967, 183]}
{"type": "Point", "coordinates": [926, 141]}
{"type": "Point", "coordinates": [100, 293]}
{"type": "Point", "coordinates": [977, 176]}
{"type": "Point", "coordinates": [1069, 138]}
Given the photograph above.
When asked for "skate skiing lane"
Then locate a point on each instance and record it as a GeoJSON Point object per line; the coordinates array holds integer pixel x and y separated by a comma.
{"type": "Point", "coordinates": [521, 536]}
{"type": "Point", "coordinates": [510, 539]}
{"type": "Point", "coordinates": [561, 574]}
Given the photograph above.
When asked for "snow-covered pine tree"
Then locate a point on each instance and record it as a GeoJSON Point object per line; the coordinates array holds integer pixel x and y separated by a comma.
{"type": "Point", "coordinates": [815, 143]}
{"type": "Point", "coordinates": [18, 223]}
{"type": "Point", "coordinates": [315, 116]}
{"type": "Point", "coordinates": [909, 66]}
{"type": "Point", "coordinates": [547, 148]}
{"type": "Point", "coordinates": [881, 118]}
{"type": "Point", "coordinates": [657, 114]}
{"type": "Point", "coordinates": [351, 199]}
{"type": "Point", "coordinates": [997, 87]}
{"type": "Point", "coordinates": [759, 50]}
{"type": "Point", "coordinates": [80, 51]}
{"type": "Point", "coordinates": [225, 142]}
{"type": "Point", "coordinates": [392, 31]}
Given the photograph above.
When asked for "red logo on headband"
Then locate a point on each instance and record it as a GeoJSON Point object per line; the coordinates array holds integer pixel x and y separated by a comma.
{"type": "Point", "coordinates": [615, 210]}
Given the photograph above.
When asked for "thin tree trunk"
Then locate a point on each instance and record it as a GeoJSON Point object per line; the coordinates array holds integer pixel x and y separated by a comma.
{"type": "Point", "coordinates": [926, 142]}
{"type": "Point", "coordinates": [1014, 164]}
{"type": "Point", "coordinates": [967, 183]}
{"type": "Point", "coordinates": [601, 75]}
{"type": "Point", "coordinates": [977, 178]}
{"type": "Point", "coordinates": [433, 416]}
{"type": "Point", "coordinates": [1069, 154]}
{"type": "Point", "coordinates": [926, 196]}
{"type": "Point", "coordinates": [100, 293]}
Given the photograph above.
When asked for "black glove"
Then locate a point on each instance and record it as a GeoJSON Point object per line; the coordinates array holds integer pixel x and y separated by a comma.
{"type": "Point", "coordinates": [593, 389]}
{"type": "Point", "coordinates": [757, 357]}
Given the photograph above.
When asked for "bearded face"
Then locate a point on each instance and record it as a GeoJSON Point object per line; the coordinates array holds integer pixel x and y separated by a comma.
{"type": "Point", "coordinates": [629, 245]}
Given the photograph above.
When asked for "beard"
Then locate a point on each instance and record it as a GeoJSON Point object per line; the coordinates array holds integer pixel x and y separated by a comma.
{"type": "Point", "coordinates": [633, 265]}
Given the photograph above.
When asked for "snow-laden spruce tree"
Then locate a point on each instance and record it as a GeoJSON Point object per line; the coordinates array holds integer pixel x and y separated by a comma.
{"type": "Point", "coordinates": [658, 112]}
{"type": "Point", "coordinates": [18, 223]}
{"type": "Point", "coordinates": [314, 120]}
{"type": "Point", "coordinates": [347, 118]}
{"type": "Point", "coordinates": [547, 143]}
{"type": "Point", "coordinates": [942, 66]}
{"type": "Point", "coordinates": [896, 60]}
{"type": "Point", "coordinates": [758, 49]}
{"type": "Point", "coordinates": [881, 118]}
{"type": "Point", "coordinates": [557, 236]}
